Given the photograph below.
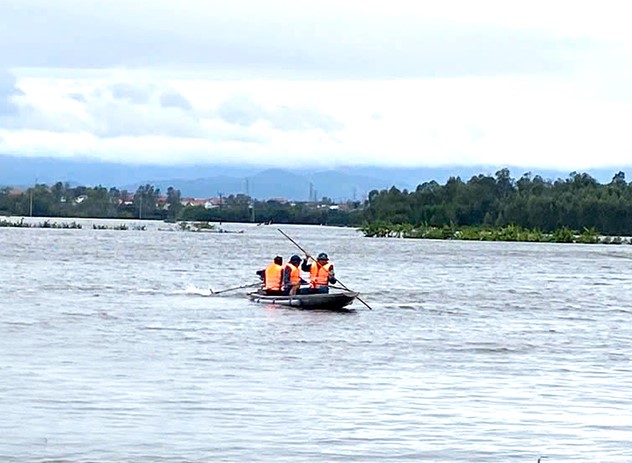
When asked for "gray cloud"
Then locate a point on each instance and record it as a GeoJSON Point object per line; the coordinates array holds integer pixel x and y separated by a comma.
{"type": "Point", "coordinates": [277, 42]}
{"type": "Point", "coordinates": [8, 90]}
{"type": "Point", "coordinates": [131, 93]}
{"type": "Point", "coordinates": [118, 119]}
{"type": "Point", "coordinates": [110, 111]}
{"type": "Point", "coordinates": [77, 97]}
{"type": "Point", "coordinates": [173, 99]}
{"type": "Point", "coordinates": [303, 118]}
{"type": "Point", "coordinates": [244, 111]}
{"type": "Point", "coordinates": [240, 110]}
{"type": "Point", "coordinates": [31, 118]}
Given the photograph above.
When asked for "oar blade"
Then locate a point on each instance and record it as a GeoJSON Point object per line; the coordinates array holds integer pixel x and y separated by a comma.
{"type": "Point", "coordinates": [235, 288]}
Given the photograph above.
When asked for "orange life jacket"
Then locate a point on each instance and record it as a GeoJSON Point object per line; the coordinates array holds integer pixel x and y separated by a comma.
{"type": "Point", "coordinates": [273, 277]}
{"type": "Point", "coordinates": [319, 275]}
{"type": "Point", "coordinates": [295, 274]}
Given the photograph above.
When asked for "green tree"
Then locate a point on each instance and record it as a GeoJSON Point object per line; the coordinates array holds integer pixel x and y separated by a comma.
{"type": "Point", "coordinates": [174, 205]}
{"type": "Point", "coordinates": [146, 202]}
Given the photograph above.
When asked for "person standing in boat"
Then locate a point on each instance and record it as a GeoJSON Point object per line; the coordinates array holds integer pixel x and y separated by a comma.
{"type": "Point", "coordinates": [292, 280]}
{"type": "Point", "coordinates": [321, 273]}
{"type": "Point", "coordinates": [272, 277]}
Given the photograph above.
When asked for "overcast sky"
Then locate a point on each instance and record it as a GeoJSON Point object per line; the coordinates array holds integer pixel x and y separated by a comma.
{"type": "Point", "coordinates": [291, 82]}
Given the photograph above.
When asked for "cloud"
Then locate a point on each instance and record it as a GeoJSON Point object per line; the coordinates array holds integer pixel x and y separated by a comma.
{"type": "Point", "coordinates": [8, 90]}
{"type": "Point", "coordinates": [124, 110]}
{"type": "Point", "coordinates": [431, 122]}
{"type": "Point", "coordinates": [354, 40]}
{"type": "Point", "coordinates": [241, 110]}
{"type": "Point", "coordinates": [132, 93]}
{"type": "Point", "coordinates": [77, 97]}
{"type": "Point", "coordinates": [104, 109]}
{"type": "Point", "coordinates": [354, 82]}
{"type": "Point", "coordinates": [174, 99]}
{"type": "Point", "coordinates": [303, 118]}
{"type": "Point", "coordinates": [119, 120]}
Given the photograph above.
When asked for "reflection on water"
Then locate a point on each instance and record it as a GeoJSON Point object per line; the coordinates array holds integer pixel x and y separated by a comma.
{"type": "Point", "coordinates": [113, 348]}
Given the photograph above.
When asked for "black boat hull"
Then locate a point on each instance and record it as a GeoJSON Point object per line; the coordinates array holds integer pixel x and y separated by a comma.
{"type": "Point", "coordinates": [329, 301]}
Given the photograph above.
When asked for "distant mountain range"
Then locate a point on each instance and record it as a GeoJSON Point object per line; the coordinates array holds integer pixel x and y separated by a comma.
{"type": "Point", "coordinates": [203, 181]}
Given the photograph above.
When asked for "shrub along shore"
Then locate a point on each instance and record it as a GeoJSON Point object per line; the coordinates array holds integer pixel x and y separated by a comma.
{"type": "Point", "coordinates": [63, 225]}
{"type": "Point", "coordinates": [506, 233]}
{"type": "Point", "coordinates": [389, 230]}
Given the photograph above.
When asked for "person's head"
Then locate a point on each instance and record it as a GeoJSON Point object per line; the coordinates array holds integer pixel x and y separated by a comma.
{"type": "Point", "coordinates": [278, 260]}
{"type": "Point", "coordinates": [322, 257]}
{"type": "Point", "coordinates": [295, 260]}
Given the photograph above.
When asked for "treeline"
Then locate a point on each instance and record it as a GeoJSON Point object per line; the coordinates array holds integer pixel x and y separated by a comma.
{"type": "Point", "coordinates": [578, 203]}
{"type": "Point", "coordinates": [242, 208]}
{"type": "Point", "coordinates": [62, 200]}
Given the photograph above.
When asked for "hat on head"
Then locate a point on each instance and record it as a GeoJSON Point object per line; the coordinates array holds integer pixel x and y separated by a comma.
{"type": "Point", "coordinates": [295, 258]}
{"type": "Point", "coordinates": [322, 256]}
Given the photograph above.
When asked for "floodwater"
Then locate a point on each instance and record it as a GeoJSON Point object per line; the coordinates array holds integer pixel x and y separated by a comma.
{"type": "Point", "coordinates": [112, 348]}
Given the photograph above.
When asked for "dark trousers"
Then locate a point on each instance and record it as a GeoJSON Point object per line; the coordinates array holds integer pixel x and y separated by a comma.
{"type": "Point", "coordinates": [274, 292]}
{"type": "Point", "coordinates": [319, 290]}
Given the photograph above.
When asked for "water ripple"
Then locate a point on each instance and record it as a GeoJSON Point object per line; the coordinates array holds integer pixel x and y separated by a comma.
{"type": "Point", "coordinates": [113, 348]}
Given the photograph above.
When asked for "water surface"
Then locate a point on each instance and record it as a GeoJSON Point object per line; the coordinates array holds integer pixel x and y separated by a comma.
{"type": "Point", "coordinates": [113, 349]}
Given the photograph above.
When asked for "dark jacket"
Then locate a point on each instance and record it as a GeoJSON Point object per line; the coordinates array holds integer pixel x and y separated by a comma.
{"type": "Point", "coordinates": [287, 272]}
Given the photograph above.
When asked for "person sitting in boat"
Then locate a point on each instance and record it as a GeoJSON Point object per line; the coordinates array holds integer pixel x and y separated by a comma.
{"type": "Point", "coordinates": [321, 273]}
{"type": "Point", "coordinates": [292, 280]}
{"type": "Point", "coordinates": [272, 277]}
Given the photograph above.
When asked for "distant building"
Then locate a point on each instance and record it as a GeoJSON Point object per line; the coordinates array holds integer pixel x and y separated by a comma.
{"type": "Point", "coordinates": [279, 200]}
{"type": "Point", "coordinates": [206, 203]}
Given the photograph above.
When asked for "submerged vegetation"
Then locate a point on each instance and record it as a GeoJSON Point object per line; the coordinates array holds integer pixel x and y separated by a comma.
{"type": "Point", "coordinates": [507, 233]}
{"type": "Point", "coordinates": [46, 224]}
{"type": "Point", "coordinates": [64, 225]}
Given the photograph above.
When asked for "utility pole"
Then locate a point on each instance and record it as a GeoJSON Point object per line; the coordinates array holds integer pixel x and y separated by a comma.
{"type": "Point", "coordinates": [31, 199]}
{"type": "Point", "coordinates": [220, 206]}
{"type": "Point", "coordinates": [251, 201]}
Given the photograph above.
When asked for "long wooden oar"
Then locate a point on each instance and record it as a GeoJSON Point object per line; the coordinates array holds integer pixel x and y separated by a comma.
{"type": "Point", "coordinates": [235, 288]}
{"type": "Point", "coordinates": [311, 257]}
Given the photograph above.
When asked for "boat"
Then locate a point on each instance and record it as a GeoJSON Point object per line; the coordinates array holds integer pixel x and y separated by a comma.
{"type": "Point", "coordinates": [324, 301]}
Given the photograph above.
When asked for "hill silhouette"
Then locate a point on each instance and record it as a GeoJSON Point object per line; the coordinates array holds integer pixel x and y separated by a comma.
{"type": "Point", "coordinates": [203, 181]}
